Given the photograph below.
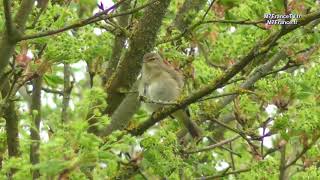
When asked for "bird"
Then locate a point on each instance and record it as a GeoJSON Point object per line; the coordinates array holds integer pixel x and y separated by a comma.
{"type": "Point", "coordinates": [161, 84]}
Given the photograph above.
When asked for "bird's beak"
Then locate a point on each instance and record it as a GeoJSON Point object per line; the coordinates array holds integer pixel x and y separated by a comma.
{"type": "Point", "coordinates": [151, 59]}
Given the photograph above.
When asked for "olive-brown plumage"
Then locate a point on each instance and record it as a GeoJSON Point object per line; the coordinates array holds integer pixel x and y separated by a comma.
{"type": "Point", "coordinates": [160, 82]}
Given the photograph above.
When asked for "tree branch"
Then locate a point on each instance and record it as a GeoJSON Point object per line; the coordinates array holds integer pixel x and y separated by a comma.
{"type": "Point", "coordinates": [47, 90]}
{"type": "Point", "coordinates": [207, 11]}
{"type": "Point", "coordinates": [224, 174]}
{"type": "Point", "coordinates": [208, 148]}
{"type": "Point", "coordinates": [191, 28]}
{"type": "Point", "coordinates": [304, 150]}
{"type": "Point", "coordinates": [118, 44]}
{"type": "Point", "coordinates": [7, 13]}
{"type": "Point", "coordinates": [93, 19]}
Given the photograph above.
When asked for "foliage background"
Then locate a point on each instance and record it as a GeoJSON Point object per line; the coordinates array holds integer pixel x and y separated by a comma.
{"type": "Point", "coordinates": [277, 116]}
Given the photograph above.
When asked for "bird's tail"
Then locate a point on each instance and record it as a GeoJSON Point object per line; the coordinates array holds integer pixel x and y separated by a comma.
{"type": "Point", "coordinates": [191, 126]}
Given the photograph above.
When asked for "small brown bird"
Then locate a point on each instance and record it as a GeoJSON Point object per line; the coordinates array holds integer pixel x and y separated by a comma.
{"type": "Point", "coordinates": [161, 83]}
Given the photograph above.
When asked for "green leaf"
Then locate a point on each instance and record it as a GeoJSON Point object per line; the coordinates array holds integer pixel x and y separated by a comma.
{"type": "Point", "coordinates": [53, 80]}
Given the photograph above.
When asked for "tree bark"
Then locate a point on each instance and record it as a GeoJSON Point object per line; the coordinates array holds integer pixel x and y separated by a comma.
{"type": "Point", "coordinates": [118, 44]}
{"type": "Point", "coordinates": [141, 42]}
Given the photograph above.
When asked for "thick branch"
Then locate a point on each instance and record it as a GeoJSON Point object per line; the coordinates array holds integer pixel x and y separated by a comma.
{"type": "Point", "coordinates": [208, 9]}
{"type": "Point", "coordinates": [8, 112]}
{"type": "Point", "coordinates": [7, 13]}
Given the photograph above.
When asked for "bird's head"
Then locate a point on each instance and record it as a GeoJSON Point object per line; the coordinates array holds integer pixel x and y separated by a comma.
{"type": "Point", "coordinates": [152, 57]}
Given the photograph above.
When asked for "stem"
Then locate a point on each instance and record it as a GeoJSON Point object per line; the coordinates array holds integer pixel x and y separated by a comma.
{"type": "Point", "coordinates": [282, 167]}
{"type": "Point", "coordinates": [35, 131]}
{"type": "Point", "coordinates": [66, 93]}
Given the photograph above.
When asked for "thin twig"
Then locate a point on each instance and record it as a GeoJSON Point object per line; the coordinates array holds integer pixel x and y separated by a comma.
{"type": "Point", "coordinates": [117, 26]}
{"type": "Point", "coordinates": [93, 19]}
{"type": "Point", "coordinates": [241, 133]}
{"type": "Point", "coordinates": [205, 55]}
{"type": "Point", "coordinates": [224, 174]}
{"type": "Point", "coordinates": [225, 148]}
{"type": "Point", "coordinates": [304, 150]}
{"type": "Point", "coordinates": [36, 19]}
{"type": "Point", "coordinates": [241, 22]}
{"type": "Point", "coordinates": [233, 166]}
{"type": "Point", "coordinates": [53, 91]}
{"type": "Point", "coordinates": [207, 11]}
{"type": "Point", "coordinates": [219, 144]}
{"type": "Point", "coordinates": [262, 141]}
{"type": "Point", "coordinates": [218, 96]}
{"type": "Point", "coordinates": [142, 174]}
{"type": "Point", "coordinates": [131, 18]}
{"type": "Point", "coordinates": [282, 69]}
{"type": "Point", "coordinates": [270, 151]}
{"type": "Point", "coordinates": [227, 126]}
